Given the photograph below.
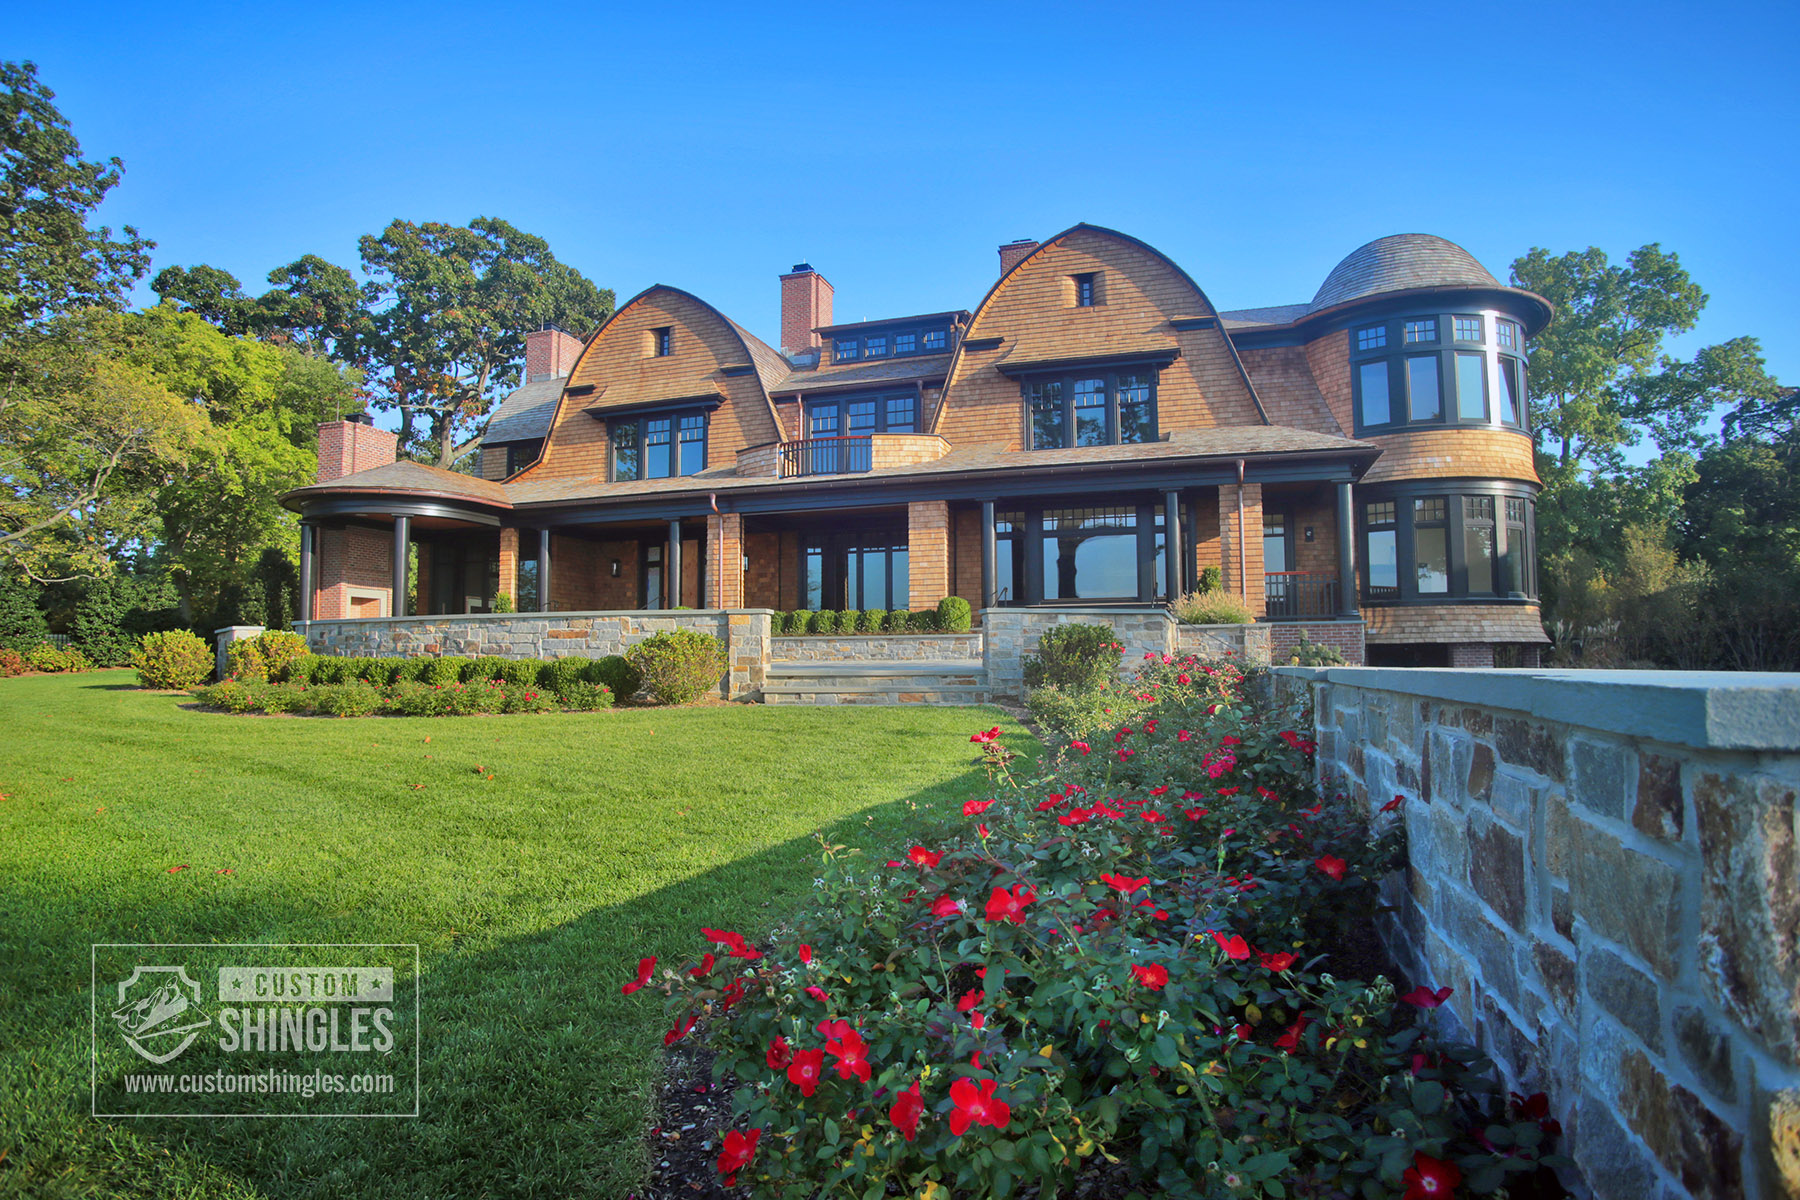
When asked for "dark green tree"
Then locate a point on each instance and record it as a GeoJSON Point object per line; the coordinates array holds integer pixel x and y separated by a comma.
{"type": "Point", "coordinates": [22, 622]}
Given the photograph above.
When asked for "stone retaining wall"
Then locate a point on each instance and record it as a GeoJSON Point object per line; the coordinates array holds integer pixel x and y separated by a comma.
{"type": "Point", "coordinates": [1603, 866]}
{"type": "Point", "coordinates": [745, 633]}
{"type": "Point", "coordinates": [1250, 643]}
{"type": "Point", "coordinates": [878, 647]}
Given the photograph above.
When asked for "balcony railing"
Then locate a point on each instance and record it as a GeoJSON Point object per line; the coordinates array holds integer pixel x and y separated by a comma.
{"type": "Point", "coordinates": [824, 456]}
{"type": "Point", "coordinates": [1300, 594]}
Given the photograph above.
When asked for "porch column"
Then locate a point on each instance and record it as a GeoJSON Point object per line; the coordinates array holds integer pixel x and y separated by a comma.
{"type": "Point", "coordinates": [306, 570]}
{"type": "Point", "coordinates": [927, 552]}
{"type": "Point", "coordinates": [672, 585]}
{"type": "Point", "coordinates": [724, 560]}
{"type": "Point", "coordinates": [988, 554]}
{"type": "Point", "coordinates": [1174, 550]}
{"type": "Point", "coordinates": [509, 564]}
{"type": "Point", "coordinates": [402, 543]}
{"type": "Point", "coordinates": [1346, 550]}
{"type": "Point", "coordinates": [543, 570]}
{"type": "Point", "coordinates": [1240, 542]}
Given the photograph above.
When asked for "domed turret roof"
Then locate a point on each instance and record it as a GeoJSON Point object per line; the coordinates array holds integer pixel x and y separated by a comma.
{"type": "Point", "coordinates": [1400, 263]}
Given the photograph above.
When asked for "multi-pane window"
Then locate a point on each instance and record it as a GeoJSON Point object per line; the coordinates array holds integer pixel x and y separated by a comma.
{"type": "Point", "coordinates": [906, 343]}
{"type": "Point", "coordinates": [1084, 291]}
{"type": "Point", "coordinates": [875, 346]}
{"type": "Point", "coordinates": [1466, 329]}
{"type": "Point", "coordinates": [1372, 338]}
{"type": "Point", "coordinates": [936, 339]}
{"type": "Point", "coordinates": [1423, 329]}
{"type": "Point", "coordinates": [1479, 543]}
{"type": "Point", "coordinates": [1382, 552]}
{"type": "Point", "coordinates": [844, 349]}
{"type": "Point", "coordinates": [1101, 409]}
{"type": "Point", "coordinates": [658, 447]}
{"type": "Point", "coordinates": [1506, 335]}
{"type": "Point", "coordinates": [1431, 547]}
{"type": "Point", "coordinates": [860, 416]}
{"type": "Point", "coordinates": [663, 341]}
{"type": "Point", "coordinates": [902, 414]}
{"type": "Point", "coordinates": [890, 342]}
{"type": "Point", "coordinates": [1476, 544]}
{"type": "Point", "coordinates": [1050, 554]}
{"type": "Point", "coordinates": [1519, 573]}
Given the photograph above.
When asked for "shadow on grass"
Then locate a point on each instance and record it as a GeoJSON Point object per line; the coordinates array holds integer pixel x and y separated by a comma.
{"type": "Point", "coordinates": [538, 1076]}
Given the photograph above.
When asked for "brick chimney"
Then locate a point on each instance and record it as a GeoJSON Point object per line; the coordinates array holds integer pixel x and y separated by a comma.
{"type": "Point", "coordinates": [805, 305]}
{"type": "Point", "coordinates": [1014, 253]}
{"type": "Point", "coordinates": [352, 445]}
{"type": "Point", "coordinates": [550, 354]}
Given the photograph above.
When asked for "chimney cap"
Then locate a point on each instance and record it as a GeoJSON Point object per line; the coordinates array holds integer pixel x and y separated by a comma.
{"type": "Point", "coordinates": [1023, 242]}
{"type": "Point", "coordinates": [799, 267]}
{"type": "Point", "coordinates": [360, 418]}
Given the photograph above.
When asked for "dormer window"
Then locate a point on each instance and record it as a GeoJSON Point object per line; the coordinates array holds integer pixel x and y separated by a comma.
{"type": "Point", "coordinates": [658, 445]}
{"type": "Point", "coordinates": [1086, 292]}
{"type": "Point", "coordinates": [1093, 408]}
{"type": "Point", "coordinates": [662, 342]}
{"type": "Point", "coordinates": [844, 349]}
{"type": "Point", "coordinates": [906, 343]}
{"type": "Point", "coordinates": [935, 339]}
{"type": "Point", "coordinates": [875, 347]}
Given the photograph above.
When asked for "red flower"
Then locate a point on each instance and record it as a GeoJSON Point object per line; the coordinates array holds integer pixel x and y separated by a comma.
{"type": "Point", "coordinates": [1049, 803]}
{"type": "Point", "coordinates": [924, 857]}
{"type": "Point", "coordinates": [1183, 679]}
{"type": "Point", "coordinates": [805, 953]}
{"type": "Point", "coordinates": [1153, 817]}
{"type": "Point", "coordinates": [1152, 976]}
{"type": "Point", "coordinates": [1218, 762]}
{"type": "Point", "coordinates": [982, 739]}
{"type": "Point", "coordinates": [1391, 805]}
{"type": "Point", "coordinates": [981, 830]}
{"type": "Point", "coordinates": [908, 1107]}
{"type": "Point", "coordinates": [1424, 997]}
{"type": "Point", "coordinates": [1125, 752]}
{"type": "Point", "coordinates": [946, 905]}
{"type": "Point", "coordinates": [681, 1029]}
{"type": "Point", "coordinates": [1235, 947]}
{"type": "Point", "coordinates": [706, 964]}
{"type": "Point", "coordinates": [1297, 742]}
{"type": "Point", "coordinates": [976, 1105]}
{"type": "Point", "coordinates": [1150, 726]}
{"type": "Point", "coordinates": [1429, 1178]}
{"type": "Point", "coordinates": [1243, 1032]}
{"type": "Point", "coordinates": [1533, 1108]}
{"type": "Point", "coordinates": [969, 1000]}
{"type": "Point", "coordinates": [1193, 814]}
{"type": "Point", "coordinates": [1184, 736]}
{"type": "Point", "coordinates": [1331, 865]}
{"type": "Point", "coordinates": [739, 949]}
{"type": "Point", "coordinates": [1003, 905]}
{"type": "Point", "coordinates": [1291, 1039]}
{"type": "Point", "coordinates": [1075, 816]}
{"type": "Point", "coordinates": [779, 1055]}
{"type": "Point", "coordinates": [1160, 791]}
{"type": "Point", "coordinates": [1158, 914]}
{"type": "Point", "coordinates": [805, 1070]}
{"type": "Point", "coordinates": [1124, 883]}
{"type": "Point", "coordinates": [974, 808]}
{"type": "Point", "coordinates": [1081, 746]}
{"type": "Point", "coordinates": [818, 993]}
{"type": "Point", "coordinates": [645, 966]}
{"type": "Point", "coordinates": [1279, 961]}
{"type": "Point", "coordinates": [1124, 732]}
{"type": "Point", "coordinates": [852, 1054]}
{"type": "Point", "coordinates": [739, 1150]}
{"type": "Point", "coordinates": [731, 995]}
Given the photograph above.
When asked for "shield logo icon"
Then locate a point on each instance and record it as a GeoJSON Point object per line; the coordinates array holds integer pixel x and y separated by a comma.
{"type": "Point", "coordinates": [159, 1012]}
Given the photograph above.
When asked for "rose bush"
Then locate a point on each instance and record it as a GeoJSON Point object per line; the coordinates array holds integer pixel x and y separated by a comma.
{"type": "Point", "coordinates": [1124, 957]}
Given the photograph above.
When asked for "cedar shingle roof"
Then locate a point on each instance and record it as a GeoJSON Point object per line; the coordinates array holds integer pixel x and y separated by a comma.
{"type": "Point", "coordinates": [525, 414]}
{"type": "Point", "coordinates": [887, 370]}
{"type": "Point", "coordinates": [1400, 263]}
{"type": "Point", "coordinates": [405, 476]}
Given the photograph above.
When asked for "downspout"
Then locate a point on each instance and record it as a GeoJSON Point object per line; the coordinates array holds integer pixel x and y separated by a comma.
{"type": "Point", "coordinates": [1243, 580]}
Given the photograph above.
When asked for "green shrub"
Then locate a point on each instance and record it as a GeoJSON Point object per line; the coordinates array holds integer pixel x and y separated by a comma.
{"type": "Point", "coordinates": [869, 620]}
{"type": "Point", "coordinates": [1212, 579]}
{"type": "Point", "coordinates": [896, 621]}
{"type": "Point", "coordinates": [283, 698]}
{"type": "Point", "coordinates": [266, 656]}
{"type": "Point", "coordinates": [442, 670]}
{"type": "Point", "coordinates": [12, 662]}
{"type": "Point", "coordinates": [954, 614]}
{"type": "Point", "coordinates": [49, 659]}
{"type": "Point", "coordinates": [413, 670]}
{"type": "Point", "coordinates": [488, 666]}
{"type": "Point", "coordinates": [472, 699]}
{"type": "Point", "coordinates": [923, 621]}
{"type": "Point", "coordinates": [561, 674]}
{"type": "Point", "coordinates": [1080, 712]}
{"type": "Point", "coordinates": [1212, 608]}
{"type": "Point", "coordinates": [1308, 653]}
{"type": "Point", "coordinates": [520, 672]}
{"type": "Point", "coordinates": [792, 623]}
{"type": "Point", "coordinates": [585, 697]}
{"type": "Point", "coordinates": [306, 668]}
{"type": "Point", "coordinates": [344, 699]}
{"type": "Point", "coordinates": [617, 675]}
{"type": "Point", "coordinates": [810, 623]}
{"type": "Point", "coordinates": [1074, 657]}
{"type": "Point", "coordinates": [529, 698]}
{"type": "Point", "coordinates": [414, 699]}
{"type": "Point", "coordinates": [385, 672]}
{"type": "Point", "coordinates": [503, 603]}
{"type": "Point", "coordinates": [679, 666]}
{"type": "Point", "coordinates": [233, 695]}
{"type": "Point", "coordinates": [22, 623]}
{"type": "Point", "coordinates": [172, 661]}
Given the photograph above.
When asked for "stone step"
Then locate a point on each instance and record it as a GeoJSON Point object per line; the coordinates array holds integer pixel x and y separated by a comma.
{"type": "Point", "coordinates": [812, 693]}
{"type": "Point", "coordinates": [957, 681]}
{"type": "Point", "coordinates": [877, 669]}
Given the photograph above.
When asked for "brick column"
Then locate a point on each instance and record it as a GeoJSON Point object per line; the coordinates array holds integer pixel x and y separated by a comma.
{"type": "Point", "coordinates": [928, 552]}
{"type": "Point", "coordinates": [1249, 582]}
{"type": "Point", "coordinates": [1472, 654]}
{"type": "Point", "coordinates": [509, 564]}
{"type": "Point", "coordinates": [724, 560]}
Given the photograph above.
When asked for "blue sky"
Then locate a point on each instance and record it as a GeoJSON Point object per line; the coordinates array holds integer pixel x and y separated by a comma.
{"type": "Point", "coordinates": [711, 147]}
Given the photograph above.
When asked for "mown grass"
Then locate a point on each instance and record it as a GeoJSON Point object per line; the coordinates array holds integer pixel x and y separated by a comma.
{"type": "Point", "coordinates": [532, 886]}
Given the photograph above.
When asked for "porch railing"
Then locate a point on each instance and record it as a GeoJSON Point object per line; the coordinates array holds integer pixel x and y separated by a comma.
{"type": "Point", "coordinates": [824, 456]}
{"type": "Point", "coordinates": [1300, 594]}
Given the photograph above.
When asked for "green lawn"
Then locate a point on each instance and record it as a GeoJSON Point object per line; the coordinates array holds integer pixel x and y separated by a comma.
{"type": "Point", "coordinates": [599, 838]}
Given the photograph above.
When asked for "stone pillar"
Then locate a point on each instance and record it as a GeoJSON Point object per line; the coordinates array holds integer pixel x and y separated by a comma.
{"type": "Point", "coordinates": [747, 648]}
{"type": "Point", "coordinates": [988, 554]}
{"type": "Point", "coordinates": [928, 552]}
{"type": "Point", "coordinates": [509, 563]}
{"type": "Point", "coordinates": [724, 561]}
{"type": "Point", "coordinates": [402, 542]}
{"type": "Point", "coordinates": [1243, 574]}
{"type": "Point", "coordinates": [1346, 550]}
{"type": "Point", "coordinates": [1172, 543]}
{"type": "Point", "coordinates": [306, 571]}
{"type": "Point", "coordinates": [544, 570]}
{"type": "Point", "coordinates": [226, 636]}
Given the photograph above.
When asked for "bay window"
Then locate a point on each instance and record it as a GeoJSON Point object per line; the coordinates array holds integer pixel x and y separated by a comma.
{"type": "Point", "coordinates": [1430, 543]}
{"type": "Point", "coordinates": [1405, 373]}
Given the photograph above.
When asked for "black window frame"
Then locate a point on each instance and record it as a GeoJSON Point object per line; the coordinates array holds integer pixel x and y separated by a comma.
{"type": "Point", "coordinates": [662, 342]}
{"type": "Point", "coordinates": [1498, 363]}
{"type": "Point", "coordinates": [928, 336]}
{"type": "Point", "coordinates": [1514, 580]}
{"type": "Point", "coordinates": [636, 422]}
{"type": "Point", "coordinates": [1019, 538]}
{"type": "Point", "coordinates": [1066, 381]}
{"type": "Point", "coordinates": [520, 455]}
{"type": "Point", "coordinates": [861, 347]}
{"type": "Point", "coordinates": [882, 401]}
{"type": "Point", "coordinates": [1087, 291]}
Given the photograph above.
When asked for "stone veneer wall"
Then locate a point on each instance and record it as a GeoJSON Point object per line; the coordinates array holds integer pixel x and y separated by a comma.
{"type": "Point", "coordinates": [745, 633]}
{"type": "Point", "coordinates": [879, 647]}
{"type": "Point", "coordinates": [1012, 633]}
{"type": "Point", "coordinates": [1603, 866]}
{"type": "Point", "coordinates": [1251, 643]}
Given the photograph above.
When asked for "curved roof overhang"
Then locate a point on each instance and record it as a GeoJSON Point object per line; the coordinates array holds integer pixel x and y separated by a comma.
{"type": "Point", "coordinates": [383, 504]}
{"type": "Point", "coordinates": [1536, 311]}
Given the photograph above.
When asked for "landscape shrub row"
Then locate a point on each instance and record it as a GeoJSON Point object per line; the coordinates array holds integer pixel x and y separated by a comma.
{"type": "Point", "coordinates": [952, 615]}
{"type": "Point", "coordinates": [42, 657]}
{"type": "Point", "coordinates": [1143, 955]}
{"type": "Point", "coordinates": [359, 698]}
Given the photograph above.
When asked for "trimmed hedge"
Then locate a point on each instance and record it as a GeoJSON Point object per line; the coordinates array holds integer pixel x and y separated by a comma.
{"type": "Point", "coordinates": [952, 615]}
{"type": "Point", "coordinates": [169, 661]}
{"type": "Point", "coordinates": [680, 666]}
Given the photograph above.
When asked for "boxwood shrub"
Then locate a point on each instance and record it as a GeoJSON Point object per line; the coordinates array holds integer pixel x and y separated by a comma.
{"type": "Point", "coordinates": [680, 666]}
